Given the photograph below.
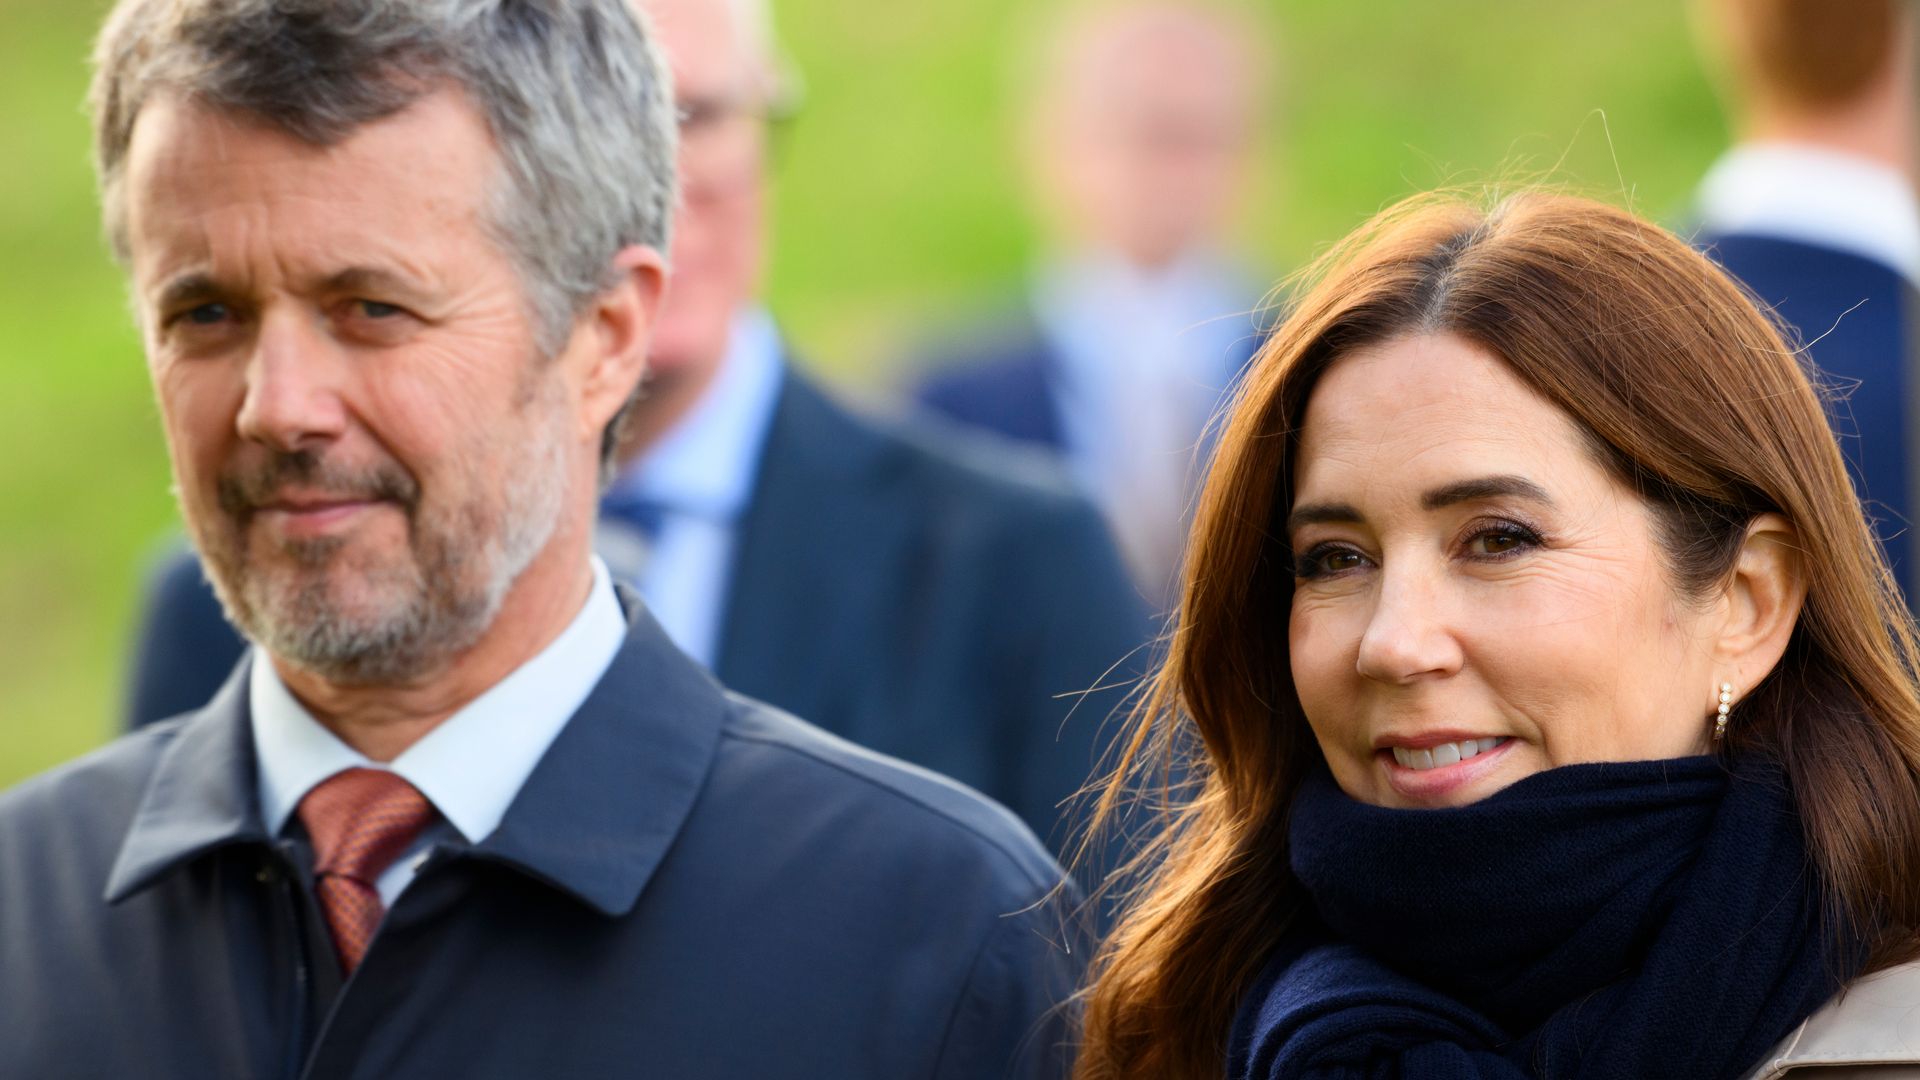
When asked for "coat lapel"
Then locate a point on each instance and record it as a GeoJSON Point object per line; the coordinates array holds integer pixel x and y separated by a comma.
{"type": "Point", "coordinates": [818, 549]}
{"type": "Point", "coordinates": [201, 796]}
{"type": "Point", "coordinates": [606, 802]}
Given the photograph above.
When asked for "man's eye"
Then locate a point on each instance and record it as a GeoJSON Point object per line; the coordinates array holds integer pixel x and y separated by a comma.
{"type": "Point", "coordinates": [695, 116]}
{"type": "Point", "coordinates": [374, 309]}
{"type": "Point", "coordinates": [207, 315]}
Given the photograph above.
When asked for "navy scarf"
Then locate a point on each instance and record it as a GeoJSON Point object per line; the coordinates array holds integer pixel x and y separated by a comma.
{"type": "Point", "coordinates": [1629, 921]}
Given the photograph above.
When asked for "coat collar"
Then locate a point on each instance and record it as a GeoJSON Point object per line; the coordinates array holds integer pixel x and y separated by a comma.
{"type": "Point", "coordinates": [593, 820]}
{"type": "Point", "coordinates": [606, 802]}
{"type": "Point", "coordinates": [200, 797]}
{"type": "Point", "coordinates": [1871, 1023]}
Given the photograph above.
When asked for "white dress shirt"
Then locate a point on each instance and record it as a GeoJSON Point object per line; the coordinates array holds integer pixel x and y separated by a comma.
{"type": "Point", "coordinates": [1145, 359]}
{"type": "Point", "coordinates": [472, 765]}
{"type": "Point", "coordinates": [1794, 191]}
{"type": "Point", "coordinates": [702, 474]}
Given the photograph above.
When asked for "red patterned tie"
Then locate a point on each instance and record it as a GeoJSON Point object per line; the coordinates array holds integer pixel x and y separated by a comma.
{"type": "Point", "coordinates": [360, 821]}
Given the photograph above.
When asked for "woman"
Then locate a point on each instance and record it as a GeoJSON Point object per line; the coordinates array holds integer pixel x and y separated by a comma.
{"type": "Point", "coordinates": [1551, 709]}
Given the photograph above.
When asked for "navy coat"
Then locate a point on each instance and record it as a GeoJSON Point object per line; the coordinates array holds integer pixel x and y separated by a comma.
{"type": "Point", "coordinates": [1855, 317]}
{"type": "Point", "coordinates": [926, 594]}
{"type": "Point", "coordinates": [690, 885]}
{"type": "Point", "coordinates": [1006, 380]}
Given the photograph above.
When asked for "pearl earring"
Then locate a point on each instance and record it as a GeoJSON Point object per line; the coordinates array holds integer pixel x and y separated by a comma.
{"type": "Point", "coordinates": [1726, 706]}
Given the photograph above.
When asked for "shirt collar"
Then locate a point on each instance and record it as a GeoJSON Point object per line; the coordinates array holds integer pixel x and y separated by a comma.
{"type": "Point", "coordinates": [472, 764]}
{"type": "Point", "coordinates": [595, 818]}
{"type": "Point", "coordinates": [1801, 192]}
{"type": "Point", "coordinates": [708, 462]}
{"type": "Point", "coordinates": [1101, 311]}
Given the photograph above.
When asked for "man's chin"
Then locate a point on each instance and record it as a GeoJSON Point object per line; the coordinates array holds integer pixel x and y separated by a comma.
{"type": "Point", "coordinates": [350, 652]}
{"type": "Point", "coordinates": [363, 630]}
{"type": "Point", "coordinates": [343, 630]}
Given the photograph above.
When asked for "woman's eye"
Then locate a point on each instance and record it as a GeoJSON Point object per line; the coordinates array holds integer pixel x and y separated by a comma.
{"type": "Point", "coordinates": [1501, 540]}
{"type": "Point", "coordinates": [1327, 560]}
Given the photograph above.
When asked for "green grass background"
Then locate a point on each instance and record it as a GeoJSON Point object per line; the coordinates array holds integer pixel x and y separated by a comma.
{"type": "Point", "coordinates": [896, 203]}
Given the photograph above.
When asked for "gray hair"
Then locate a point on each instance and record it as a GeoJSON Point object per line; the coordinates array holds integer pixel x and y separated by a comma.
{"type": "Point", "coordinates": [574, 92]}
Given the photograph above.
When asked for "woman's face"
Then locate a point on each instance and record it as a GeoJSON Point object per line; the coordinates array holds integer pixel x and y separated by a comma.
{"type": "Point", "coordinates": [1476, 598]}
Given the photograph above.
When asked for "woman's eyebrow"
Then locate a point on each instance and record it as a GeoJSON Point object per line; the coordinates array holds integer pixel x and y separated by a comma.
{"type": "Point", "coordinates": [1485, 487]}
{"type": "Point", "coordinates": [1320, 513]}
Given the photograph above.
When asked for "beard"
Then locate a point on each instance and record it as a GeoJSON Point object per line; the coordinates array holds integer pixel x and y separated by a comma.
{"type": "Point", "coordinates": [358, 613]}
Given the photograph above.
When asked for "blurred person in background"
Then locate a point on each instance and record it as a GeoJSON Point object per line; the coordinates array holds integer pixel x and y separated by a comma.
{"type": "Point", "coordinates": [1551, 711]}
{"type": "Point", "coordinates": [1140, 138]}
{"type": "Point", "coordinates": [463, 810]}
{"type": "Point", "coordinates": [1815, 209]}
{"type": "Point", "coordinates": [944, 601]}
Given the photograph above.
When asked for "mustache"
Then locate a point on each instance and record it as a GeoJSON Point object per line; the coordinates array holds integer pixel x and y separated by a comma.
{"type": "Point", "coordinates": [243, 488]}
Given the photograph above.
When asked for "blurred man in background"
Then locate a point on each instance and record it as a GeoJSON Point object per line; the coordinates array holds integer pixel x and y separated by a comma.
{"type": "Point", "coordinates": [948, 603]}
{"type": "Point", "coordinates": [1140, 138]}
{"type": "Point", "coordinates": [1814, 208]}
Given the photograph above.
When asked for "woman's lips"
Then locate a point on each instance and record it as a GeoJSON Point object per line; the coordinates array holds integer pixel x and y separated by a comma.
{"type": "Point", "coordinates": [1439, 769]}
{"type": "Point", "coordinates": [1444, 754]}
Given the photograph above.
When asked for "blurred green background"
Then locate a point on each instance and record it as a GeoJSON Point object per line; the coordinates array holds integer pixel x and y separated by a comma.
{"type": "Point", "coordinates": [897, 203]}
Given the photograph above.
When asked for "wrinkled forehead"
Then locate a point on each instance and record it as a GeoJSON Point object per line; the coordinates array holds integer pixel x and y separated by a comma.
{"type": "Point", "coordinates": [1421, 410]}
{"type": "Point", "coordinates": [198, 175]}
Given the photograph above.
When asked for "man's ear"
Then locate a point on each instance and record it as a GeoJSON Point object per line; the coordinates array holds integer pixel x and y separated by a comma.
{"type": "Point", "coordinates": [616, 328]}
{"type": "Point", "coordinates": [1762, 602]}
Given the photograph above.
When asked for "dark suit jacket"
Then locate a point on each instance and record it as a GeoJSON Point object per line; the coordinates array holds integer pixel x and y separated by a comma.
{"type": "Point", "coordinates": [690, 885]}
{"type": "Point", "coordinates": [935, 598]}
{"type": "Point", "coordinates": [1006, 379]}
{"type": "Point", "coordinates": [1853, 314]}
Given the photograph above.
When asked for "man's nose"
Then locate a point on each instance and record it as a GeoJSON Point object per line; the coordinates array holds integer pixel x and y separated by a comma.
{"type": "Point", "coordinates": [1409, 635]}
{"type": "Point", "coordinates": [293, 375]}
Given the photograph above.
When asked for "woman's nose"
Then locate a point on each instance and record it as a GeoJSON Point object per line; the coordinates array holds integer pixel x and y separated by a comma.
{"type": "Point", "coordinates": [1408, 635]}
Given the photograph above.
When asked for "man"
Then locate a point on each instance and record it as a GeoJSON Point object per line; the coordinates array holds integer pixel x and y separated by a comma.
{"type": "Point", "coordinates": [463, 810]}
{"type": "Point", "coordinates": [1140, 139]}
{"type": "Point", "coordinates": [1814, 209]}
{"type": "Point", "coordinates": [933, 600]}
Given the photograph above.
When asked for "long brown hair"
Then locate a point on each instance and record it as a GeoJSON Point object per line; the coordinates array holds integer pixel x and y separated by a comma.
{"type": "Point", "coordinates": [1691, 396]}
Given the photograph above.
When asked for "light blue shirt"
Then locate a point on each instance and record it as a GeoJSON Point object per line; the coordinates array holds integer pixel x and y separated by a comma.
{"type": "Point", "coordinates": [1145, 357]}
{"type": "Point", "coordinates": [702, 474]}
{"type": "Point", "coordinates": [472, 765]}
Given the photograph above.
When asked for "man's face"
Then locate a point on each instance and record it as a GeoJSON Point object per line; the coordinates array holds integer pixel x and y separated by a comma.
{"type": "Point", "coordinates": [368, 448]}
{"type": "Point", "coordinates": [1146, 140]}
{"type": "Point", "coordinates": [722, 92]}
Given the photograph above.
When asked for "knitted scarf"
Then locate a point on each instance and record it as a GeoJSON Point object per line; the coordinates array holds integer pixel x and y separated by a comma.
{"type": "Point", "coordinates": [1626, 921]}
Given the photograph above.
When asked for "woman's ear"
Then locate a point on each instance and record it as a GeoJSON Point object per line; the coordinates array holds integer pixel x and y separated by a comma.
{"type": "Point", "coordinates": [1762, 602]}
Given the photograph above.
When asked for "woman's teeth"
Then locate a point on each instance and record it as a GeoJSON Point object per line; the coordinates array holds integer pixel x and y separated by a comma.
{"type": "Point", "coordinates": [1445, 754]}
